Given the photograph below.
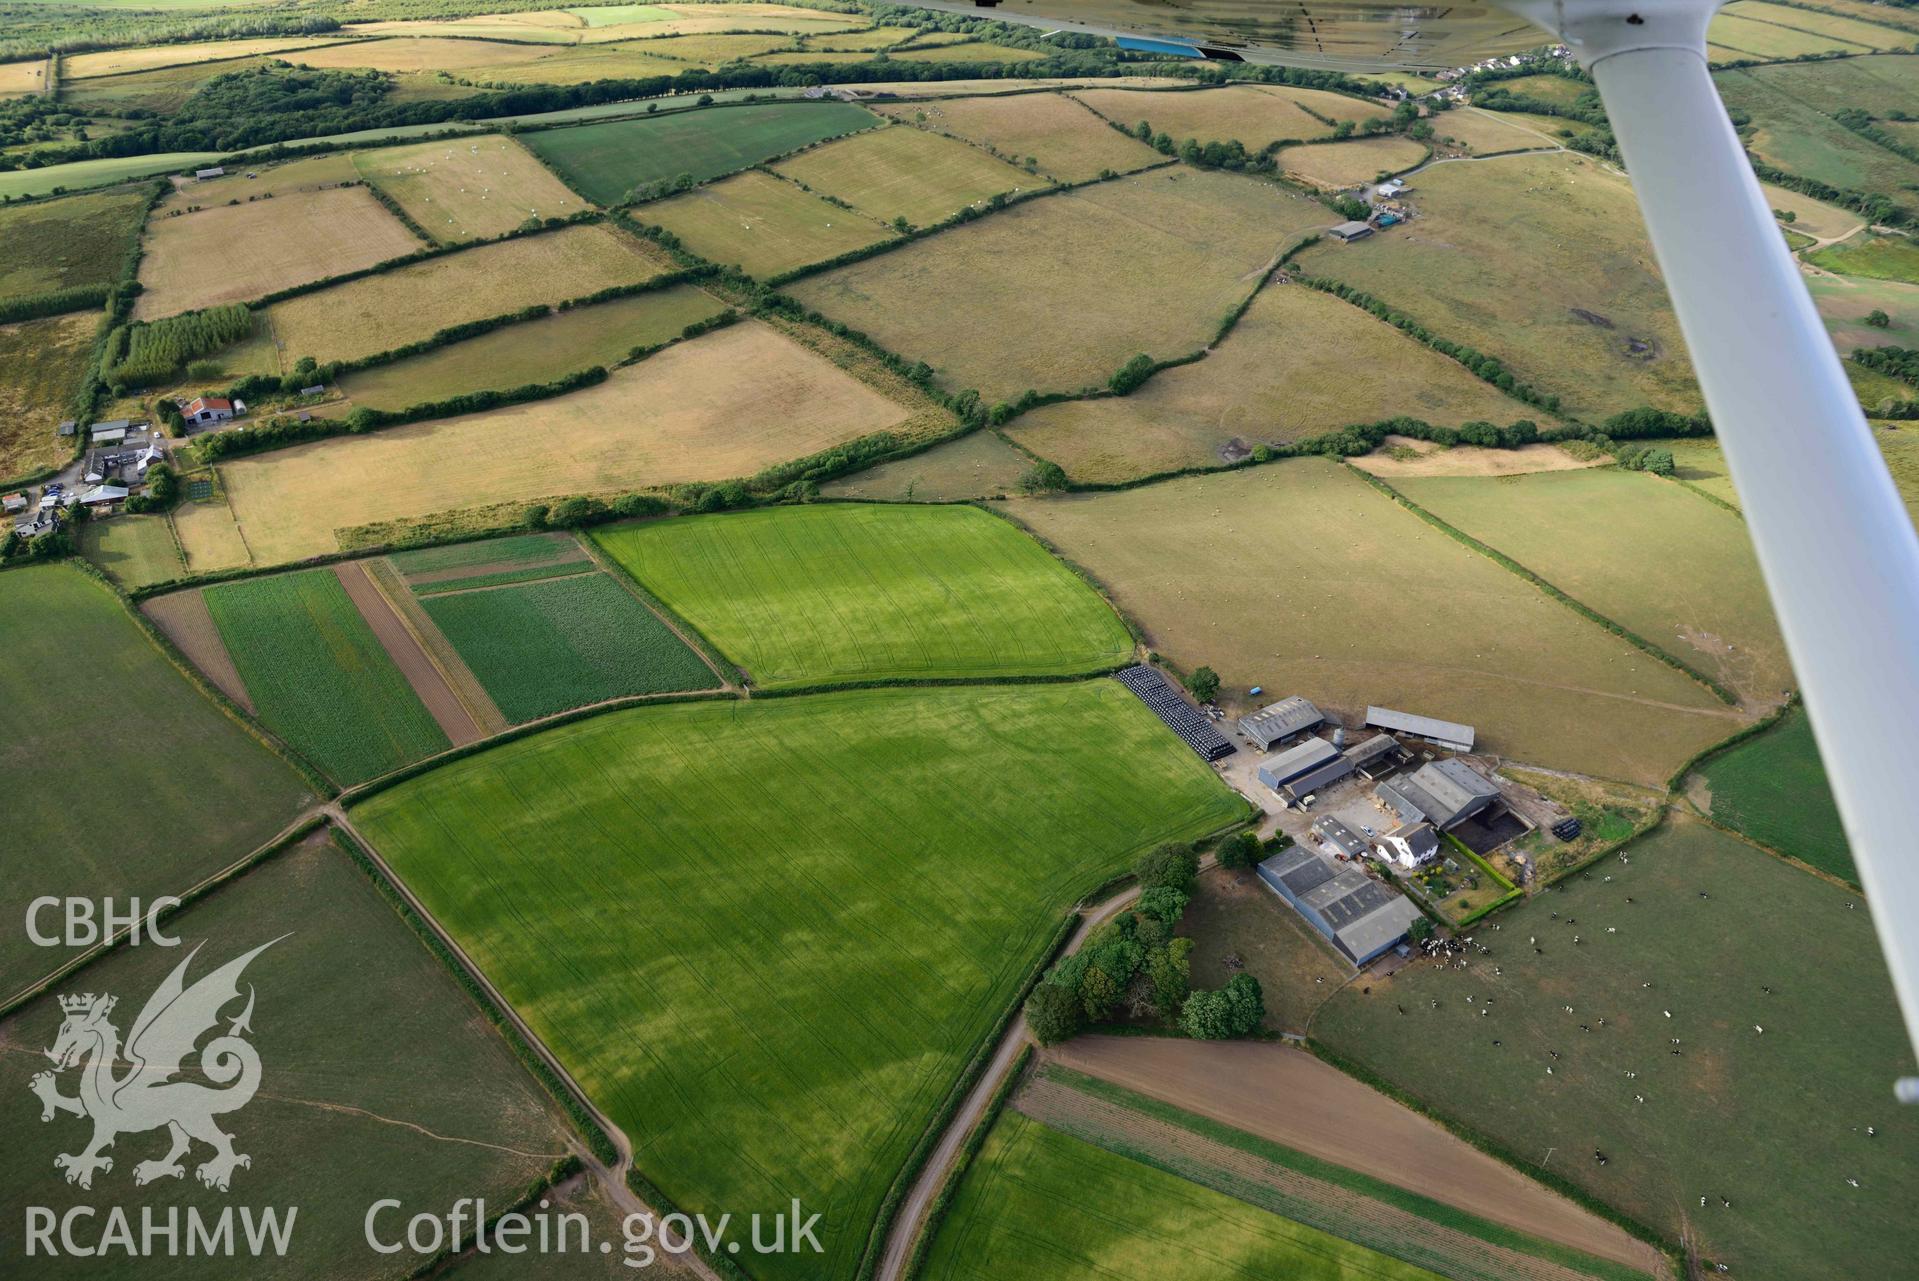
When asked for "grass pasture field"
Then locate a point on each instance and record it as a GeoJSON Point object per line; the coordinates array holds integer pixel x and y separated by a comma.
{"type": "Point", "coordinates": [42, 364]}
{"type": "Point", "coordinates": [1038, 1203]}
{"type": "Point", "coordinates": [574, 64]}
{"type": "Point", "coordinates": [806, 1067]}
{"type": "Point", "coordinates": [1575, 306]}
{"type": "Point", "coordinates": [18, 79]}
{"type": "Point", "coordinates": [978, 465]}
{"type": "Point", "coordinates": [162, 91]}
{"type": "Point", "coordinates": [1300, 576]}
{"type": "Point", "coordinates": [1846, 303]}
{"type": "Point", "coordinates": [1063, 138]}
{"type": "Point", "coordinates": [1284, 373]}
{"type": "Point", "coordinates": [306, 174]}
{"type": "Point", "coordinates": [238, 253]}
{"type": "Point", "coordinates": [1699, 918]}
{"type": "Point", "coordinates": [904, 173]}
{"type": "Point", "coordinates": [537, 351]}
{"type": "Point", "coordinates": [1874, 257]}
{"type": "Point", "coordinates": [1336, 165]}
{"type": "Point", "coordinates": [342, 1118]}
{"type": "Point", "coordinates": [468, 188]}
{"type": "Point", "coordinates": [685, 414]}
{"type": "Point", "coordinates": [1789, 132]}
{"type": "Point", "coordinates": [1755, 38]}
{"type": "Point", "coordinates": [134, 551]}
{"type": "Point", "coordinates": [319, 677]}
{"type": "Point", "coordinates": [1234, 915]}
{"type": "Point", "coordinates": [70, 243]}
{"type": "Point", "coordinates": [1773, 788]}
{"type": "Point", "coordinates": [113, 62]}
{"type": "Point", "coordinates": [1255, 116]}
{"type": "Point", "coordinates": [543, 646]}
{"type": "Point", "coordinates": [603, 162]}
{"type": "Point", "coordinates": [763, 225]}
{"type": "Point", "coordinates": [1013, 319]}
{"type": "Point", "coordinates": [1487, 133]}
{"type": "Point", "coordinates": [378, 313]}
{"type": "Point", "coordinates": [833, 592]}
{"type": "Point", "coordinates": [79, 175]}
{"type": "Point", "coordinates": [81, 674]}
{"type": "Point", "coordinates": [1595, 533]}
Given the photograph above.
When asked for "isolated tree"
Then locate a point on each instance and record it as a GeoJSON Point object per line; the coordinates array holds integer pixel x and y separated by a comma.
{"type": "Point", "coordinates": [1168, 866]}
{"type": "Point", "coordinates": [1130, 375]}
{"type": "Point", "coordinates": [1053, 1012]}
{"type": "Point", "coordinates": [1240, 851]}
{"type": "Point", "coordinates": [1344, 129]}
{"type": "Point", "coordinates": [1878, 319]}
{"type": "Point", "coordinates": [1420, 929]}
{"type": "Point", "coordinates": [1042, 478]}
{"type": "Point", "coordinates": [1204, 683]}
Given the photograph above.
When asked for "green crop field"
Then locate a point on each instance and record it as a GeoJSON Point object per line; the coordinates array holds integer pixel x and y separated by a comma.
{"type": "Point", "coordinates": [782, 925]}
{"type": "Point", "coordinates": [1875, 257]}
{"type": "Point", "coordinates": [318, 675]}
{"type": "Point", "coordinates": [378, 1078]}
{"type": "Point", "coordinates": [528, 549]}
{"type": "Point", "coordinates": [798, 595]}
{"type": "Point", "coordinates": [1038, 1204]}
{"type": "Point", "coordinates": [1705, 925]}
{"type": "Point", "coordinates": [538, 351]}
{"type": "Point", "coordinates": [71, 243]}
{"type": "Point", "coordinates": [1773, 788]}
{"type": "Point", "coordinates": [76, 175]}
{"type": "Point", "coordinates": [1660, 561]}
{"type": "Point", "coordinates": [543, 647]}
{"type": "Point", "coordinates": [1301, 577]}
{"type": "Point", "coordinates": [134, 551]}
{"type": "Point", "coordinates": [763, 225]}
{"type": "Point", "coordinates": [94, 709]}
{"type": "Point", "coordinates": [1284, 373]}
{"type": "Point", "coordinates": [1788, 132]}
{"type": "Point", "coordinates": [1011, 319]}
{"type": "Point", "coordinates": [905, 173]}
{"type": "Point", "coordinates": [605, 161]}
{"type": "Point", "coordinates": [1540, 261]}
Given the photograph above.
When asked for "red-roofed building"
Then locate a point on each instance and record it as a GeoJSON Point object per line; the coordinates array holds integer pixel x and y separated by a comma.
{"type": "Point", "coordinates": [211, 409]}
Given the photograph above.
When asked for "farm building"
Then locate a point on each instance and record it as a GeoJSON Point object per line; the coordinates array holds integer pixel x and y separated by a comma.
{"type": "Point", "coordinates": [1180, 716]}
{"type": "Point", "coordinates": [211, 409]}
{"type": "Point", "coordinates": [216, 171]}
{"type": "Point", "coordinates": [111, 432]}
{"type": "Point", "coordinates": [1283, 767]}
{"type": "Point", "coordinates": [1279, 722]}
{"type": "Point", "coordinates": [12, 503]}
{"type": "Point", "coordinates": [1410, 845]}
{"type": "Point", "coordinates": [1336, 833]}
{"type": "Point", "coordinates": [68, 427]}
{"type": "Point", "coordinates": [1375, 754]}
{"type": "Point", "coordinates": [1361, 917]}
{"type": "Point", "coordinates": [1316, 780]}
{"type": "Point", "coordinates": [1448, 734]}
{"type": "Point", "coordinates": [1351, 231]}
{"type": "Point", "coordinates": [1444, 793]}
{"type": "Point", "coordinates": [102, 494]}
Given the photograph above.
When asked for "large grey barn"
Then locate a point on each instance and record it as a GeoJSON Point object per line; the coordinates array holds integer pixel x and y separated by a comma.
{"type": "Point", "coordinates": [1280, 721]}
{"type": "Point", "coordinates": [1443, 793]}
{"type": "Point", "coordinates": [1282, 768]}
{"type": "Point", "coordinates": [1361, 917]}
{"type": "Point", "coordinates": [1448, 734]}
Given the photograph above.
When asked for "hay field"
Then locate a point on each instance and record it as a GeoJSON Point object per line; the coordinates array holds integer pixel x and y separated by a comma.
{"type": "Point", "coordinates": [69, 243]}
{"type": "Point", "coordinates": [538, 351]}
{"type": "Point", "coordinates": [111, 62]}
{"type": "Point", "coordinates": [378, 313]}
{"type": "Point", "coordinates": [1283, 374]}
{"type": "Point", "coordinates": [1541, 261]}
{"type": "Point", "coordinates": [1871, 34]}
{"type": "Point", "coordinates": [1490, 132]}
{"type": "Point", "coordinates": [1710, 1125]}
{"type": "Point", "coordinates": [1662, 562]}
{"type": "Point", "coordinates": [343, 1116]}
{"type": "Point", "coordinates": [1335, 165]}
{"type": "Point", "coordinates": [606, 161]}
{"type": "Point", "coordinates": [709, 50]}
{"type": "Point", "coordinates": [623, 22]}
{"type": "Point", "coordinates": [42, 364]}
{"type": "Point", "coordinates": [20, 78]}
{"type": "Point", "coordinates": [193, 768]}
{"type": "Point", "coordinates": [1300, 577]}
{"type": "Point", "coordinates": [416, 53]}
{"type": "Point", "coordinates": [1029, 298]}
{"type": "Point", "coordinates": [237, 253]}
{"type": "Point", "coordinates": [576, 64]}
{"type": "Point", "coordinates": [1253, 115]}
{"type": "Point", "coordinates": [1754, 39]}
{"type": "Point", "coordinates": [291, 177]}
{"type": "Point", "coordinates": [763, 225]}
{"type": "Point", "coordinates": [468, 188]}
{"type": "Point", "coordinates": [1065, 140]}
{"type": "Point", "coordinates": [1036, 1204]}
{"type": "Point", "coordinates": [905, 173]}
{"type": "Point", "coordinates": [801, 595]}
{"type": "Point", "coordinates": [209, 536]}
{"type": "Point", "coordinates": [978, 465]}
{"type": "Point", "coordinates": [771, 1027]}
{"type": "Point", "coordinates": [686, 414]}
{"type": "Point", "coordinates": [1813, 217]}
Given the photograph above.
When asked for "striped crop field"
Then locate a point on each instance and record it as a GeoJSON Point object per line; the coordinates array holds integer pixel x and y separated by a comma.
{"type": "Point", "coordinates": [798, 595]}
{"type": "Point", "coordinates": [319, 676]}
{"type": "Point", "coordinates": [782, 925]}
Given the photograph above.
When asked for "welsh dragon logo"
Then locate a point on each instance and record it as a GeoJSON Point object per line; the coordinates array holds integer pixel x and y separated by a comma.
{"type": "Point", "coordinates": [145, 1096]}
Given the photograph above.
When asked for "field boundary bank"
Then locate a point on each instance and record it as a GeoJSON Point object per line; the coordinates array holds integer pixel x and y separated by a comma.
{"type": "Point", "coordinates": [969, 1152]}
{"type": "Point", "coordinates": [408, 654]}
{"type": "Point", "coordinates": [439, 650]}
{"type": "Point", "coordinates": [1546, 588]}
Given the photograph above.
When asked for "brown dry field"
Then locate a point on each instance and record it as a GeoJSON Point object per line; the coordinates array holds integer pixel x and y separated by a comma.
{"type": "Point", "coordinates": [1468, 460]}
{"type": "Point", "coordinates": [468, 188]}
{"type": "Point", "coordinates": [237, 253]}
{"type": "Point", "coordinates": [1814, 217]}
{"type": "Point", "coordinates": [989, 88]}
{"type": "Point", "coordinates": [1292, 1098]}
{"type": "Point", "coordinates": [763, 225]}
{"type": "Point", "coordinates": [1335, 165]}
{"type": "Point", "coordinates": [42, 363]}
{"type": "Point", "coordinates": [209, 537]}
{"type": "Point", "coordinates": [977, 465]}
{"type": "Point", "coordinates": [1029, 298]}
{"type": "Point", "coordinates": [1254, 115]}
{"type": "Point", "coordinates": [1485, 132]}
{"type": "Point", "coordinates": [722, 406]}
{"type": "Point", "coordinates": [23, 77]}
{"type": "Point", "coordinates": [1069, 142]}
{"type": "Point", "coordinates": [417, 54]}
{"type": "Point", "coordinates": [900, 172]}
{"type": "Point", "coordinates": [379, 313]}
{"type": "Point", "coordinates": [313, 173]}
{"type": "Point", "coordinates": [1284, 373]}
{"type": "Point", "coordinates": [183, 618]}
{"type": "Point", "coordinates": [407, 654]}
{"type": "Point", "coordinates": [1301, 577]}
{"type": "Point", "coordinates": [79, 66]}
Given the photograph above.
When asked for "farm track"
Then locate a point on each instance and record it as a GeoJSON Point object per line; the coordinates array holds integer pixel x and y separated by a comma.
{"type": "Point", "coordinates": [435, 691]}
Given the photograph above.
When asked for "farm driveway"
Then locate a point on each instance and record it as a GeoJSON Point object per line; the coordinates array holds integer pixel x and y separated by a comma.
{"type": "Point", "coordinates": [1290, 1097]}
